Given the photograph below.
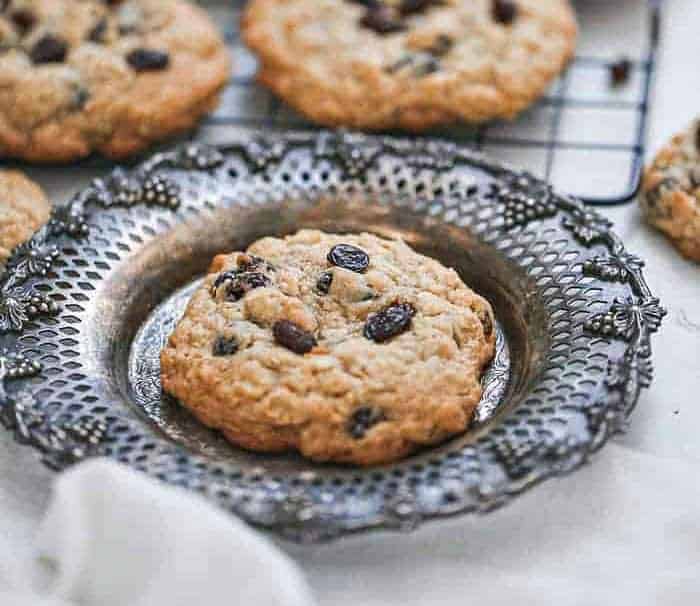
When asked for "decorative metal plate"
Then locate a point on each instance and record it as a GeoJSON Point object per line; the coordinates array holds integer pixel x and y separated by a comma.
{"type": "Point", "coordinates": [87, 303]}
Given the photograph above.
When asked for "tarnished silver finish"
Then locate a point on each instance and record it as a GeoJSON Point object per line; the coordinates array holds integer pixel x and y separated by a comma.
{"type": "Point", "coordinates": [86, 305]}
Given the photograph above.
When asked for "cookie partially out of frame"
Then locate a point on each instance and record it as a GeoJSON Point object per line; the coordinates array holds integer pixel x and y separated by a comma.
{"type": "Point", "coordinates": [346, 348]}
{"type": "Point", "coordinates": [78, 76]}
{"type": "Point", "coordinates": [411, 64]}
{"type": "Point", "coordinates": [670, 197]}
{"type": "Point", "coordinates": [23, 209]}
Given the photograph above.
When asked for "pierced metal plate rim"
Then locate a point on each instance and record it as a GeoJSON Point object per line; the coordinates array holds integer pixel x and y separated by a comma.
{"type": "Point", "coordinates": [508, 210]}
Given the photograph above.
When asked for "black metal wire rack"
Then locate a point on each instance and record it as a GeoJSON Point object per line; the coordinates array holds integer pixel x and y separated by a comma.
{"type": "Point", "coordinates": [585, 135]}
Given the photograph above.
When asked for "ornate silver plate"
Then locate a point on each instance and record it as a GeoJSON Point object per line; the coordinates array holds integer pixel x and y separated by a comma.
{"type": "Point", "coordinates": [87, 303]}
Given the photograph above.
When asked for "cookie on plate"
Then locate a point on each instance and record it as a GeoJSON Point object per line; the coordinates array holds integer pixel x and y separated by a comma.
{"type": "Point", "coordinates": [347, 348]}
{"type": "Point", "coordinates": [411, 64]}
{"type": "Point", "coordinates": [670, 197]}
{"type": "Point", "coordinates": [110, 77]}
{"type": "Point", "coordinates": [23, 209]}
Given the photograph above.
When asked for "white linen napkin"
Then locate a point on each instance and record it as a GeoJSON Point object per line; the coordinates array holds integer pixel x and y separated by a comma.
{"type": "Point", "coordinates": [113, 537]}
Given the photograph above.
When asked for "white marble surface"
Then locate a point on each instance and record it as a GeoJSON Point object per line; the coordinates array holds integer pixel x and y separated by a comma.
{"type": "Point", "coordinates": [626, 525]}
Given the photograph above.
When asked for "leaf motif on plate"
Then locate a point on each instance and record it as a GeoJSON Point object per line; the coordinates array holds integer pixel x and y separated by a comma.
{"type": "Point", "coordinates": [262, 152]}
{"type": "Point", "coordinates": [19, 304]}
{"type": "Point", "coordinates": [613, 268]}
{"type": "Point", "coordinates": [61, 443]}
{"type": "Point", "coordinates": [353, 152]}
{"type": "Point", "coordinates": [587, 226]}
{"type": "Point", "coordinates": [33, 258]}
{"type": "Point", "coordinates": [627, 317]}
{"type": "Point", "coordinates": [121, 188]}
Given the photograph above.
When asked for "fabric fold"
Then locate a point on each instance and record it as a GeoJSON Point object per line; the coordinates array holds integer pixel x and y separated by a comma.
{"type": "Point", "coordinates": [113, 537]}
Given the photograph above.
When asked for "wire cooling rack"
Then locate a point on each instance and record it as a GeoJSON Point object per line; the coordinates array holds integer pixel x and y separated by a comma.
{"type": "Point", "coordinates": [585, 135]}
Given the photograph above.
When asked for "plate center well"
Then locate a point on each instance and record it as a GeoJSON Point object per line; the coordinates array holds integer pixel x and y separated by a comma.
{"type": "Point", "coordinates": [181, 426]}
{"type": "Point", "coordinates": [162, 275]}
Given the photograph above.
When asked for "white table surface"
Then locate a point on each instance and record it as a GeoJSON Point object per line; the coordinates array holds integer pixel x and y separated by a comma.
{"type": "Point", "coordinates": [558, 527]}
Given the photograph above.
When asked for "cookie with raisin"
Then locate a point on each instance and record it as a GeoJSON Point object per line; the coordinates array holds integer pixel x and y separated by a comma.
{"type": "Point", "coordinates": [670, 197]}
{"type": "Point", "coordinates": [409, 64]}
{"type": "Point", "coordinates": [346, 348]}
{"type": "Point", "coordinates": [106, 77]}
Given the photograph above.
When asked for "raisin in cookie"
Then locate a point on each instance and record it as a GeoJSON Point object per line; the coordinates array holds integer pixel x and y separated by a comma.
{"type": "Point", "coordinates": [670, 196]}
{"type": "Point", "coordinates": [78, 76]}
{"type": "Point", "coordinates": [347, 348]}
{"type": "Point", "coordinates": [23, 209]}
{"type": "Point", "coordinates": [409, 64]}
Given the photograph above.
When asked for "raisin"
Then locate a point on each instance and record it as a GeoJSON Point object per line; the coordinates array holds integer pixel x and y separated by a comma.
{"type": "Point", "coordinates": [24, 20]}
{"type": "Point", "coordinates": [504, 11]}
{"type": "Point", "coordinates": [412, 7]}
{"type": "Point", "coordinates": [146, 59]}
{"type": "Point", "coordinates": [389, 322]}
{"type": "Point", "coordinates": [4, 5]}
{"type": "Point", "coordinates": [620, 71]}
{"type": "Point", "coordinates": [293, 337]}
{"type": "Point", "coordinates": [441, 46]}
{"type": "Point", "coordinates": [253, 263]}
{"type": "Point", "coordinates": [363, 419]}
{"type": "Point", "coordinates": [49, 49]}
{"type": "Point", "coordinates": [224, 346]}
{"type": "Point", "coordinates": [349, 257]}
{"type": "Point", "coordinates": [97, 33]}
{"type": "Point", "coordinates": [323, 284]}
{"type": "Point", "coordinates": [382, 20]}
{"type": "Point", "coordinates": [239, 283]}
{"type": "Point", "coordinates": [223, 277]}
{"type": "Point", "coordinates": [245, 282]}
{"type": "Point", "coordinates": [80, 98]}
{"type": "Point", "coordinates": [253, 279]}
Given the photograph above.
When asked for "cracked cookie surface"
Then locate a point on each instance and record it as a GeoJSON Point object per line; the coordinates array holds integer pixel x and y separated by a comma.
{"type": "Point", "coordinates": [78, 76]}
{"type": "Point", "coordinates": [23, 209]}
{"type": "Point", "coordinates": [670, 197]}
{"type": "Point", "coordinates": [347, 348]}
{"type": "Point", "coordinates": [409, 64]}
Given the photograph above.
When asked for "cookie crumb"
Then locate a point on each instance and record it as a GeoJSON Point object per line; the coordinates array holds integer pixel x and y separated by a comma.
{"type": "Point", "coordinates": [620, 72]}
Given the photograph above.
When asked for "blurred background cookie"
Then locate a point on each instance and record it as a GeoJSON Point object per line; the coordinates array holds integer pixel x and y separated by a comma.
{"type": "Point", "coordinates": [23, 209]}
{"type": "Point", "coordinates": [409, 64]}
{"type": "Point", "coordinates": [112, 77]}
{"type": "Point", "coordinates": [670, 196]}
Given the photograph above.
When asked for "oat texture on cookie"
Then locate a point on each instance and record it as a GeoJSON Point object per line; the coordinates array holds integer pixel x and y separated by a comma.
{"type": "Point", "coordinates": [23, 209]}
{"type": "Point", "coordinates": [409, 63]}
{"type": "Point", "coordinates": [82, 76]}
{"type": "Point", "coordinates": [347, 348]}
{"type": "Point", "coordinates": [670, 197]}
